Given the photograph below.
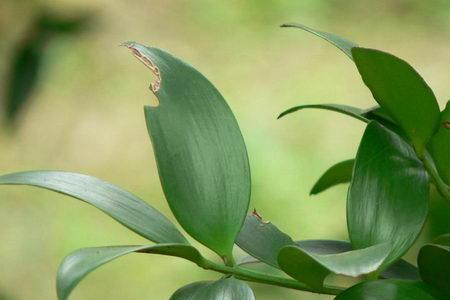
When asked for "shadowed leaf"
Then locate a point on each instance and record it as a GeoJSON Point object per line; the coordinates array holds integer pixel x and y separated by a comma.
{"type": "Point", "coordinates": [391, 290]}
{"type": "Point", "coordinates": [223, 289]}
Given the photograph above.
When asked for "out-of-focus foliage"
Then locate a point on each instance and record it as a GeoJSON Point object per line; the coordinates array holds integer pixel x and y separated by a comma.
{"type": "Point", "coordinates": [28, 56]}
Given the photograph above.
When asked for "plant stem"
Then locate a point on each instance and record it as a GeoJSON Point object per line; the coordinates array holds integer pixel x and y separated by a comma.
{"type": "Point", "coordinates": [253, 276]}
{"type": "Point", "coordinates": [442, 187]}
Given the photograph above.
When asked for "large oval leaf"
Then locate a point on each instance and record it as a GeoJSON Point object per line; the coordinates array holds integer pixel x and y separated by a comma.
{"type": "Point", "coordinates": [336, 174]}
{"type": "Point", "coordinates": [402, 92]}
{"type": "Point", "coordinates": [388, 195]}
{"type": "Point", "coordinates": [121, 205]}
{"type": "Point", "coordinates": [343, 44]}
{"type": "Point", "coordinates": [223, 289]}
{"type": "Point", "coordinates": [434, 266]}
{"type": "Point", "coordinates": [312, 269]}
{"type": "Point", "coordinates": [390, 290]}
{"type": "Point", "coordinates": [440, 145]}
{"type": "Point", "coordinates": [201, 155]}
{"type": "Point", "coordinates": [81, 262]}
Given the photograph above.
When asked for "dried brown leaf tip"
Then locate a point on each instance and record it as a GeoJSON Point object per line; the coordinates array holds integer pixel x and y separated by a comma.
{"type": "Point", "coordinates": [137, 51]}
{"type": "Point", "coordinates": [258, 216]}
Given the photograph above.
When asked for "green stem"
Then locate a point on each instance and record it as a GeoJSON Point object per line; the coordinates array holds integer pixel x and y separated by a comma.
{"type": "Point", "coordinates": [442, 187]}
{"type": "Point", "coordinates": [253, 276]}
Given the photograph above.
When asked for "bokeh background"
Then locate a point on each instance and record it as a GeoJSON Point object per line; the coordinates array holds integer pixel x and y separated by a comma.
{"type": "Point", "coordinates": [84, 113]}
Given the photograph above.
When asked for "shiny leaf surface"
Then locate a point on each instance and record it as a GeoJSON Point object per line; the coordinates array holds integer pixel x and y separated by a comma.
{"type": "Point", "coordinates": [121, 205]}
{"type": "Point", "coordinates": [388, 196]}
{"type": "Point", "coordinates": [200, 153]}
{"type": "Point", "coordinates": [402, 92]}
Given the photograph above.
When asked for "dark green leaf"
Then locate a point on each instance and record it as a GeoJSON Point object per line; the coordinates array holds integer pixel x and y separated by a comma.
{"type": "Point", "coordinates": [223, 289]}
{"type": "Point", "coordinates": [442, 240]}
{"type": "Point", "coordinates": [388, 195]}
{"type": "Point", "coordinates": [440, 145]}
{"type": "Point", "coordinates": [312, 269]}
{"type": "Point", "coordinates": [434, 266]}
{"type": "Point", "coordinates": [338, 173]}
{"type": "Point", "coordinates": [262, 240]}
{"type": "Point", "coordinates": [117, 203]}
{"type": "Point", "coordinates": [390, 289]}
{"type": "Point", "coordinates": [401, 92]}
{"type": "Point", "coordinates": [81, 262]}
{"type": "Point", "coordinates": [342, 43]}
{"type": "Point", "coordinates": [201, 155]}
{"type": "Point", "coordinates": [354, 112]}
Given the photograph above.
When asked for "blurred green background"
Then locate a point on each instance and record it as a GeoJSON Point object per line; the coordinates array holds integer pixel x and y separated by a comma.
{"type": "Point", "coordinates": [85, 114]}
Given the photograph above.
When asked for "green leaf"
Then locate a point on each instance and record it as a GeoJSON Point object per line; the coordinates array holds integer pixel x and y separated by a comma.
{"type": "Point", "coordinates": [338, 173]}
{"type": "Point", "coordinates": [400, 90]}
{"type": "Point", "coordinates": [442, 240]}
{"type": "Point", "coordinates": [440, 145]}
{"type": "Point", "coordinates": [201, 155]}
{"type": "Point", "coordinates": [340, 42]}
{"type": "Point", "coordinates": [82, 262]}
{"type": "Point", "coordinates": [390, 289]}
{"type": "Point", "coordinates": [388, 195]}
{"type": "Point", "coordinates": [401, 269]}
{"type": "Point", "coordinates": [312, 269]}
{"type": "Point", "coordinates": [434, 266]}
{"type": "Point", "coordinates": [351, 111]}
{"type": "Point", "coordinates": [121, 205]}
{"type": "Point", "coordinates": [223, 289]}
{"type": "Point", "coordinates": [262, 240]}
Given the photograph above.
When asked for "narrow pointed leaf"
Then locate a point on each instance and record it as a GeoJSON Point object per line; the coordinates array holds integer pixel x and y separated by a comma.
{"type": "Point", "coordinates": [312, 269]}
{"type": "Point", "coordinates": [121, 205]}
{"type": "Point", "coordinates": [223, 289]}
{"type": "Point", "coordinates": [388, 196]}
{"type": "Point", "coordinates": [440, 145]}
{"type": "Point", "coordinates": [402, 92]}
{"type": "Point", "coordinates": [201, 155]}
{"type": "Point", "coordinates": [434, 266]}
{"type": "Point", "coordinates": [338, 173]}
{"type": "Point", "coordinates": [351, 111]}
{"type": "Point", "coordinates": [391, 290]}
{"type": "Point", "coordinates": [81, 262]}
{"type": "Point", "coordinates": [343, 44]}
{"type": "Point", "coordinates": [262, 240]}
